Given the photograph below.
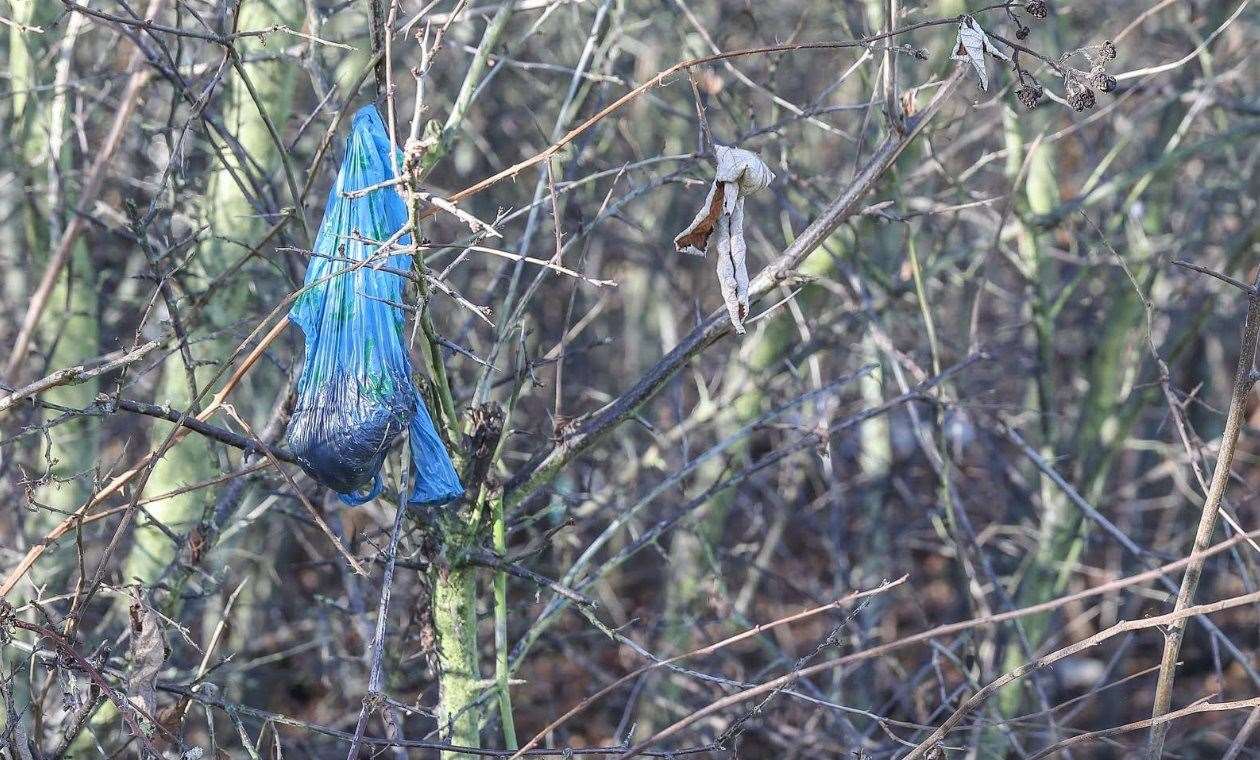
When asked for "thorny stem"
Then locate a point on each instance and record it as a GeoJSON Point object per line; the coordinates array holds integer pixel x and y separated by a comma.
{"type": "Point", "coordinates": [590, 429]}
{"type": "Point", "coordinates": [468, 89]}
{"type": "Point", "coordinates": [128, 710]}
{"type": "Point", "coordinates": [659, 78]}
{"type": "Point", "coordinates": [442, 384]}
{"type": "Point", "coordinates": [925, 747]}
{"type": "Point", "coordinates": [709, 649]}
{"type": "Point", "coordinates": [1244, 379]}
{"type": "Point", "coordinates": [377, 649]}
{"type": "Point", "coordinates": [1124, 626]}
{"type": "Point", "coordinates": [454, 581]}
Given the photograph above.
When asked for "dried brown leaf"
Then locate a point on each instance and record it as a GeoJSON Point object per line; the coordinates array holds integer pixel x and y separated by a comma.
{"type": "Point", "coordinates": [147, 653]}
{"type": "Point", "coordinates": [695, 239]}
{"type": "Point", "coordinates": [971, 46]}
{"type": "Point", "coordinates": [739, 173]}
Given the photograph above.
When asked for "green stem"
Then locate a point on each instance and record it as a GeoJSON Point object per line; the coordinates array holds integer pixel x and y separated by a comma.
{"type": "Point", "coordinates": [455, 625]}
{"type": "Point", "coordinates": [468, 89]}
{"type": "Point", "coordinates": [454, 586]}
{"type": "Point", "coordinates": [501, 649]}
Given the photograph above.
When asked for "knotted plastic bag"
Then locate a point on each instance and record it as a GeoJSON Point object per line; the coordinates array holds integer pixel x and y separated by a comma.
{"type": "Point", "coordinates": [356, 395]}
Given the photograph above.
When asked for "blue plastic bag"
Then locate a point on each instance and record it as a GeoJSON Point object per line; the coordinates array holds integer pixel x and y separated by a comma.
{"type": "Point", "coordinates": [356, 394]}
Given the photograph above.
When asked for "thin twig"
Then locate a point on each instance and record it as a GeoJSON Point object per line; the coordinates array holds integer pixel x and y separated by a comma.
{"type": "Point", "coordinates": [1125, 626]}
{"type": "Point", "coordinates": [377, 647]}
{"type": "Point", "coordinates": [1244, 379]}
{"type": "Point", "coordinates": [140, 76]}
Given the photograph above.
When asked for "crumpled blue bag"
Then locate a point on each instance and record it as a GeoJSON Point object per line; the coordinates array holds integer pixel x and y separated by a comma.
{"type": "Point", "coordinates": [356, 394]}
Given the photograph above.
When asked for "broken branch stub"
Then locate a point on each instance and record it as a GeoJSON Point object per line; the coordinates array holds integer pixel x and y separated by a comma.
{"type": "Point", "coordinates": [720, 224]}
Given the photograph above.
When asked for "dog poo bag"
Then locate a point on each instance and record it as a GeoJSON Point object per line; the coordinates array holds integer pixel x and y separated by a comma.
{"type": "Point", "coordinates": [356, 393]}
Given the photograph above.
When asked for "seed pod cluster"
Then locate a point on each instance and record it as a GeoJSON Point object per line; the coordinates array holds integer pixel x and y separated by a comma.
{"type": "Point", "coordinates": [1029, 96]}
{"type": "Point", "coordinates": [1103, 81]}
{"type": "Point", "coordinates": [1079, 95]}
{"type": "Point", "coordinates": [1037, 8]}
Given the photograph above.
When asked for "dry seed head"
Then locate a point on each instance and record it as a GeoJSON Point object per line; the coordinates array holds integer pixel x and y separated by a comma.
{"type": "Point", "coordinates": [1102, 80]}
{"type": "Point", "coordinates": [1080, 97]}
{"type": "Point", "coordinates": [1037, 8]}
{"type": "Point", "coordinates": [1029, 96]}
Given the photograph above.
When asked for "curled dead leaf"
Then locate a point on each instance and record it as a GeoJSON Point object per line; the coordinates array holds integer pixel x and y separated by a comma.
{"type": "Point", "coordinates": [695, 240]}
{"type": "Point", "coordinates": [147, 653]}
{"type": "Point", "coordinates": [971, 46]}
{"type": "Point", "coordinates": [909, 103]}
{"type": "Point", "coordinates": [720, 224]}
